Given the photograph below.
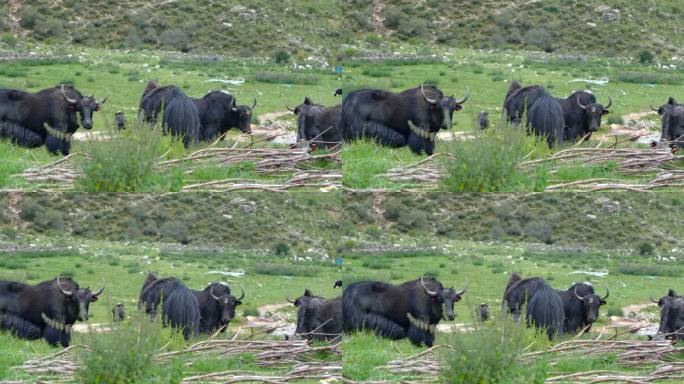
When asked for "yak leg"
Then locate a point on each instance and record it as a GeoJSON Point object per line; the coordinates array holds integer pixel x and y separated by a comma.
{"type": "Point", "coordinates": [419, 336]}
{"type": "Point", "coordinates": [419, 144]}
{"type": "Point", "coordinates": [19, 327]}
{"type": "Point", "coordinates": [54, 336]}
{"type": "Point", "coordinates": [20, 135]}
{"type": "Point", "coordinates": [55, 144]}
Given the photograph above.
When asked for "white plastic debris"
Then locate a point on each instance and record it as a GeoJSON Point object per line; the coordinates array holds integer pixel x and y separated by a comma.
{"type": "Point", "coordinates": [603, 273]}
{"type": "Point", "coordinates": [238, 81]}
{"type": "Point", "coordinates": [238, 273]}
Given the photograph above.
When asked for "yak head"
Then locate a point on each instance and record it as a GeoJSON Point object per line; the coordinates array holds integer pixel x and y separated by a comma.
{"type": "Point", "coordinates": [225, 301]}
{"type": "Point", "coordinates": [671, 316]}
{"type": "Point", "coordinates": [85, 297]}
{"type": "Point", "coordinates": [244, 114]}
{"type": "Point", "coordinates": [442, 109]}
{"type": "Point", "coordinates": [443, 298]}
{"type": "Point", "coordinates": [307, 310]}
{"type": "Point", "coordinates": [670, 101]}
{"type": "Point", "coordinates": [69, 290]}
{"type": "Point", "coordinates": [674, 126]}
{"type": "Point", "coordinates": [593, 113]}
{"type": "Point", "coordinates": [591, 304]}
{"type": "Point", "coordinates": [84, 105]}
{"type": "Point", "coordinates": [301, 107]}
{"type": "Point", "coordinates": [308, 295]}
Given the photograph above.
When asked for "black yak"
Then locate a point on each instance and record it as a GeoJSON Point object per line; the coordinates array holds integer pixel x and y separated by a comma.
{"type": "Point", "coordinates": [48, 309]}
{"type": "Point", "coordinates": [582, 115]}
{"type": "Point", "coordinates": [118, 313]}
{"type": "Point", "coordinates": [581, 307]}
{"type": "Point", "coordinates": [180, 114]}
{"type": "Point", "coordinates": [544, 304]}
{"type": "Point", "coordinates": [483, 313]}
{"type": "Point", "coordinates": [318, 124]}
{"type": "Point", "coordinates": [671, 324]}
{"type": "Point", "coordinates": [180, 308]}
{"type": "Point", "coordinates": [483, 118]}
{"type": "Point", "coordinates": [318, 318]}
{"type": "Point", "coordinates": [672, 123]}
{"type": "Point", "coordinates": [120, 120]}
{"type": "Point", "coordinates": [48, 117]}
{"type": "Point", "coordinates": [411, 309]}
{"type": "Point", "coordinates": [217, 111]}
{"type": "Point", "coordinates": [412, 117]}
{"type": "Point", "coordinates": [217, 307]}
{"type": "Point", "coordinates": [543, 112]}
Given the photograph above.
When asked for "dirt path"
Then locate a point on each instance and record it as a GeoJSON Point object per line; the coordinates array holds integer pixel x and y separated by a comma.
{"type": "Point", "coordinates": [637, 115]}
{"type": "Point", "coordinates": [272, 116]}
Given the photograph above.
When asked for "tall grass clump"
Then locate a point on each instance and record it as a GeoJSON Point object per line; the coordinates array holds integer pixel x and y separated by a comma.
{"type": "Point", "coordinates": [491, 354]}
{"type": "Point", "coordinates": [490, 162]}
{"type": "Point", "coordinates": [125, 355]}
{"type": "Point", "coordinates": [125, 163]}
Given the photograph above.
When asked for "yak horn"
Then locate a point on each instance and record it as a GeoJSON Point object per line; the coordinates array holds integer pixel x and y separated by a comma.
{"type": "Point", "coordinates": [654, 300]}
{"type": "Point", "coordinates": [429, 292]}
{"type": "Point", "coordinates": [607, 294]}
{"type": "Point", "coordinates": [429, 100]}
{"type": "Point", "coordinates": [580, 103]}
{"type": "Point", "coordinates": [253, 105]}
{"type": "Point", "coordinates": [243, 294]}
{"type": "Point", "coordinates": [576, 295]}
{"type": "Point", "coordinates": [288, 108]}
{"type": "Point", "coordinates": [211, 292]}
{"type": "Point", "coordinates": [610, 102]}
{"type": "Point", "coordinates": [98, 293]}
{"type": "Point", "coordinates": [104, 100]}
{"type": "Point", "coordinates": [653, 109]}
{"type": "Point", "coordinates": [289, 300]}
{"type": "Point", "coordinates": [464, 99]}
{"type": "Point", "coordinates": [72, 101]}
{"type": "Point", "coordinates": [465, 288]}
{"type": "Point", "coordinates": [64, 291]}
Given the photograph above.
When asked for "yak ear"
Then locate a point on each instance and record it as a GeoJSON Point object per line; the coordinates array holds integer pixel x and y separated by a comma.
{"type": "Point", "coordinates": [307, 292]}
{"type": "Point", "coordinates": [671, 101]}
{"type": "Point", "coordinates": [308, 101]}
{"type": "Point", "coordinates": [605, 112]}
{"type": "Point", "coordinates": [602, 302]}
{"type": "Point", "coordinates": [238, 302]}
{"type": "Point", "coordinates": [671, 293]}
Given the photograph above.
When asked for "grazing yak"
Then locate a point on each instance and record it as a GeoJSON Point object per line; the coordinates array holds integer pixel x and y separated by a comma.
{"type": "Point", "coordinates": [412, 117]}
{"type": "Point", "coordinates": [483, 118]}
{"type": "Point", "coordinates": [671, 317]}
{"type": "Point", "coordinates": [543, 112]}
{"type": "Point", "coordinates": [48, 309]}
{"type": "Point", "coordinates": [180, 308]}
{"type": "Point", "coordinates": [672, 123]}
{"type": "Point", "coordinates": [544, 305]}
{"type": "Point", "coordinates": [48, 117]}
{"type": "Point", "coordinates": [483, 313]}
{"type": "Point", "coordinates": [318, 124]}
{"type": "Point", "coordinates": [411, 309]}
{"type": "Point", "coordinates": [215, 304]}
{"type": "Point", "coordinates": [582, 115]}
{"type": "Point", "coordinates": [579, 305]}
{"type": "Point", "coordinates": [214, 114]}
{"type": "Point", "coordinates": [317, 318]}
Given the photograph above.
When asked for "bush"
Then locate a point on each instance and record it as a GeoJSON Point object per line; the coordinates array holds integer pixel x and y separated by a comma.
{"type": "Point", "coordinates": [281, 57]}
{"type": "Point", "coordinates": [646, 57]}
{"type": "Point", "coordinates": [540, 38]}
{"type": "Point", "coordinates": [29, 16]}
{"type": "Point", "coordinates": [175, 39]}
{"type": "Point", "coordinates": [470, 363]}
{"type": "Point", "coordinates": [50, 27]}
{"type": "Point", "coordinates": [489, 162]}
{"type": "Point", "coordinates": [646, 249]}
{"type": "Point", "coordinates": [281, 249]}
{"type": "Point", "coordinates": [123, 164]}
{"type": "Point", "coordinates": [649, 78]}
{"type": "Point", "coordinates": [614, 119]}
{"type": "Point", "coordinates": [649, 269]}
{"type": "Point", "coordinates": [125, 355]}
{"type": "Point", "coordinates": [176, 230]}
{"type": "Point", "coordinates": [285, 270]}
{"type": "Point", "coordinates": [9, 40]}
{"type": "Point", "coordinates": [286, 78]}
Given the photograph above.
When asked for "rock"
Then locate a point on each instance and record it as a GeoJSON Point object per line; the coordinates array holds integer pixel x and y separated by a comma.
{"type": "Point", "coordinates": [591, 25]}
{"type": "Point", "coordinates": [608, 14]}
{"type": "Point", "coordinates": [245, 206]}
{"type": "Point", "coordinates": [592, 217]}
{"type": "Point", "coordinates": [608, 206]}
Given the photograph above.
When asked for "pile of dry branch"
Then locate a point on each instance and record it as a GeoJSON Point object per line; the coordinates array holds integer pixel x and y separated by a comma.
{"type": "Point", "coordinates": [291, 360]}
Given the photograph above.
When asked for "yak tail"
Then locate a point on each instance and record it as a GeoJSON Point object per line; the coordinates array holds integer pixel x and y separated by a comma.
{"type": "Point", "coordinates": [181, 310]}
{"type": "Point", "coordinates": [545, 116]}
{"type": "Point", "coordinates": [545, 310]}
{"type": "Point", "coordinates": [19, 327]}
{"type": "Point", "coordinates": [181, 118]}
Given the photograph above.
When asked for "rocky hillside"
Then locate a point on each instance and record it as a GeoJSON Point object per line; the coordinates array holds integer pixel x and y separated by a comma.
{"type": "Point", "coordinates": [331, 28]}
